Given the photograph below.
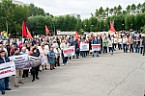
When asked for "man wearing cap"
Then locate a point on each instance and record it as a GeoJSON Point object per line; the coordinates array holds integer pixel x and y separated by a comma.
{"type": "Point", "coordinates": [4, 82]}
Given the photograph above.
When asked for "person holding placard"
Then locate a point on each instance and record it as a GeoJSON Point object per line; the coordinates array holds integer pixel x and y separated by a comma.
{"type": "Point", "coordinates": [4, 82]}
{"type": "Point", "coordinates": [64, 45]}
{"type": "Point", "coordinates": [95, 41]}
{"type": "Point", "coordinates": [19, 72]}
{"type": "Point", "coordinates": [35, 70]}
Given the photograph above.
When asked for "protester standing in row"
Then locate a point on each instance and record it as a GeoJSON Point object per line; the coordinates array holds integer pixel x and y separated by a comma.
{"type": "Point", "coordinates": [64, 45]}
{"type": "Point", "coordinates": [51, 58]}
{"type": "Point", "coordinates": [4, 82]}
{"type": "Point", "coordinates": [57, 52]}
{"type": "Point", "coordinates": [35, 70]}
{"type": "Point", "coordinates": [43, 54]}
{"type": "Point", "coordinates": [19, 72]}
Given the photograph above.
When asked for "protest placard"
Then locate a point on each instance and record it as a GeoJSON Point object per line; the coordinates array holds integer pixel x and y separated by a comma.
{"type": "Point", "coordinates": [96, 47]}
{"type": "Point", "coordinates": [69, 51]}
{"type": "Point", "coordinates": [34, 61]}
{"type": "Point", "coordinates": [21, 61]}
{"type": "Point", "coordinates": [84, 47]}
{"type": "Point", "coordinates": [7, 69]}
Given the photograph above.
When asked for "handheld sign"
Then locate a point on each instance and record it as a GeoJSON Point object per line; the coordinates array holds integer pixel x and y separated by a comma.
{"type": "Point", "coordinates": [69, 51]}
{"type": "Point", "coordinates": [96, 47]}
{"type": "Point", "coordinates": [84, 47]}
{"type": "Point", "coordinates": [7, 69]}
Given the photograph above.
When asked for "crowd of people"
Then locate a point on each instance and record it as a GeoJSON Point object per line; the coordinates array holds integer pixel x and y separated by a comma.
{"type": "Point", "coordinates": [50, 50]}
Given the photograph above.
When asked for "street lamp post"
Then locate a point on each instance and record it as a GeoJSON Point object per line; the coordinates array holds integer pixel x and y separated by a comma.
{"type": "Point", "coordinates": [7, 26]}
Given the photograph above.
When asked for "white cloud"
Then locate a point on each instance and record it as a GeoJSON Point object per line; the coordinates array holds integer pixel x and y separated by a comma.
{"type": "Point", "coordinates": [82, 7]}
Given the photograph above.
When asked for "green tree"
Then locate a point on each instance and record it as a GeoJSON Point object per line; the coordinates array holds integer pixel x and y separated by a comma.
{"type": "Point", "coordinates": [139, 8]}
{"type": "Point", "coordinates": [107, 11]}
{"type": "Point", "coordinates": [133, 8]}
{"type": "Point", "coordinates": [119, 9]}
{"type": "Point", "coordinates": [78, 25]}
{"type": "Point", "coordinates": [93, 24]}
{"type": "Point", "coordinates": [86, 25]}
{"type": "Point", "coordinates": [128, 8]}
{"type": "Point", "coordinates": [130, 22]}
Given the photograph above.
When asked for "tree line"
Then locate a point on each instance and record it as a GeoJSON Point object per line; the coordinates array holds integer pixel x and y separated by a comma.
{"type": "Point", "coordinates": [12, 15]}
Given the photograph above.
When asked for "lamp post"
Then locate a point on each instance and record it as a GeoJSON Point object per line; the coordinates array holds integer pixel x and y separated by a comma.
{"type": "Point", "coordinates": [92, 28]}
{"type": "Point", "coordinates": [104, 27]}
{"type": "Point", "coordinates": [122, 27]}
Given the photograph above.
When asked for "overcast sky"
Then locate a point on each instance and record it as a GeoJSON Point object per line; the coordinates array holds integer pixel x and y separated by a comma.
{"type": "Point", "coordinates": [82, 7]}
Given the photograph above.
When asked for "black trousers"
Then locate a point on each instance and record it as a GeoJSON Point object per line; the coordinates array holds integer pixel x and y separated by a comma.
{"type": "Point", "coordinates": [25, 73]}
{"type": "Point", "coordinates": [57, 63]}
{"type": "Point", "coordinates": [104, 49]}
{"type": "Point", "coordinates": [35, 72]}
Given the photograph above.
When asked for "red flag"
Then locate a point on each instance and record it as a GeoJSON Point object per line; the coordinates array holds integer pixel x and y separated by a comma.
{"type": "Point", "coordinates": [29, 34]}
{"type": "Point", "coordinates": [47, 30]}
{"type": "Point", "coordinates": [24, 32]}
{"type": "Point", "coordinates": [112, 28]}
{"type": "Point", "coordinates": [76, 35]}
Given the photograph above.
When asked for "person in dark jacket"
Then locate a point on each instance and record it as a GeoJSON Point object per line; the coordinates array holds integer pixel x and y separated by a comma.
{"type": "Point", "coordinates": [4, 82]}
{"type": "Point", "coordinates": [143, 44]}
{"type": "Point", "coordinates": [35, 70]}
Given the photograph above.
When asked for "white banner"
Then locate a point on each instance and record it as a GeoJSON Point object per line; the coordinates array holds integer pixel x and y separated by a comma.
{"type": "Point", "coordinates": [7, 69]}
{"type": "Point", "coordinates": [96, 47]}
{"type": "Point", "coordinates": [68, 52]}
{"type": "Point", "coordinates": [21, 61]}
{"type": "Point", "coordinates": [34, 61]}
{"type": "Point", "coordinates": [84, 47]}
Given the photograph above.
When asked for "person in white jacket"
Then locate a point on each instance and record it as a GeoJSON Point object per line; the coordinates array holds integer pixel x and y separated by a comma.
{"type": "Point", "coordinates": [57, 52]}
{"type": "Point", "coordinates": [110, 45]}
{"type": "Point", "coordinates": [64, 45]}
{"type": "Point", "coordinates": [43, 54]}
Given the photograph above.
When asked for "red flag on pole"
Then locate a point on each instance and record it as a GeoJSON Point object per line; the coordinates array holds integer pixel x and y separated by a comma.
{"type": "Point", "coordinates": [24, 32]}
{"type": "Point", "coordinates": [29, 34]}
{"type": "Point", "coordinates": [47, 30]}
{"type": "Point", "coordinates": [112, 28]}
{"type": "Point", "coordinates": [76, 35]}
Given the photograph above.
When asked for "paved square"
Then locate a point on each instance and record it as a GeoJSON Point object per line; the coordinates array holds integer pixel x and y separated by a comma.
{"type": "Point", "coordinates": [109, 75]}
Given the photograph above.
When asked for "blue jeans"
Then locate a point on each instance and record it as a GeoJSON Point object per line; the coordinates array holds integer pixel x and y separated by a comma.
{"type": "Point", "coordinates": [125, 48]}
{"type": "Point", "coordinates": [83, 53]}
{"type": "Point", "coordinates": [137, 48]}
{"type": "Point", "coordinates": [111, 49]}
{"type": "Point", "coordinates": [4, 83]}
{"type": "Point", "coordinates": [77, 53]}
{"type": "Point", "coordinates": [97, 53]}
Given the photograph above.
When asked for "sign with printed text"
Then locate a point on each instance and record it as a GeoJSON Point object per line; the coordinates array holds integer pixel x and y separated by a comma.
{"type": "Point", "coordinates": [7, 69]}
{"type": "Point", "coordinates": [69, 51]}
{"type": "Point", "coordinates": [21, 61]}
{"type": "Point", "coordinates": [96, 47]}
{"type": "Point", "coordinates": [34, 61]}
{"type": "Point", "coordinates": [84, 47]}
